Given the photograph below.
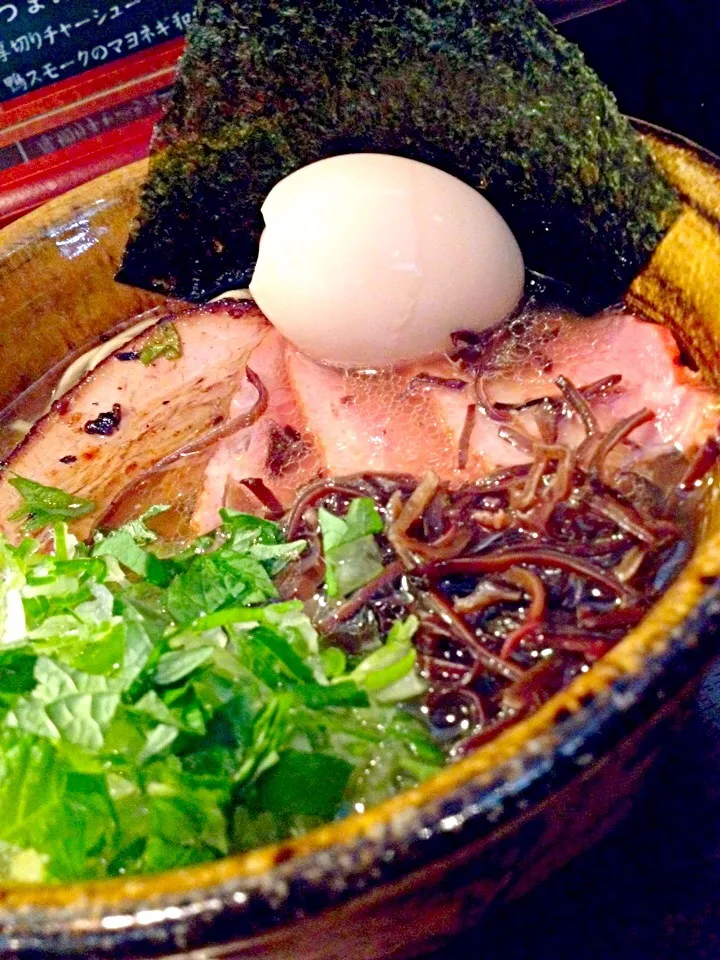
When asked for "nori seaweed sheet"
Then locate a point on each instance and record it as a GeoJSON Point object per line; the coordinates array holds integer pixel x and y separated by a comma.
{"type": "Point", "coordinates": [486, 90]}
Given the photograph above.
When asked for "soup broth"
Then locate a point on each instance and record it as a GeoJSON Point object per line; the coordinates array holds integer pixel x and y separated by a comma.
{"type": "Point", "coordinates": [286, 574]}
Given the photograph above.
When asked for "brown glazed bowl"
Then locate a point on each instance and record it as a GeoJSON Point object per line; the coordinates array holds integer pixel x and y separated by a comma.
{"type": "Point", "coordinates": [401, 878]}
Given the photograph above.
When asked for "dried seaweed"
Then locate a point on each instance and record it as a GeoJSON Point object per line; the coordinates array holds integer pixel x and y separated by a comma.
{"type": "Point", "coordinates": [486, 90]}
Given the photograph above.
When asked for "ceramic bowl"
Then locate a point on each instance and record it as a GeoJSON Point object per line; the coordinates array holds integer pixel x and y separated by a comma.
{"type": "Point", "coordinates": [404, 876]}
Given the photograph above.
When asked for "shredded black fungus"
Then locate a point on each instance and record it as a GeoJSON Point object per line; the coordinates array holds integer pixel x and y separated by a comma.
{"type": "Point", "coordinates": [520, 580]}
{"type": "Point", "coordinates": [274, 510]}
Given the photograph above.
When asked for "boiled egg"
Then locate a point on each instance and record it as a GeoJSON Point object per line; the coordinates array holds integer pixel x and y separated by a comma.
{"type": "Point", "coordinates": [370, 260]}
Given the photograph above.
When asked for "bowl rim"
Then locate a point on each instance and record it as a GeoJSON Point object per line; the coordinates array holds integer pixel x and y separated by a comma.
{"type": "Point", "coordinates": [248, 894]}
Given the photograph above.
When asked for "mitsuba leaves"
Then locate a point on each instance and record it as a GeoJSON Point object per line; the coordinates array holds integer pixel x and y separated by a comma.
{"type": "Point", "coordinates": [66, 704]}
{"type": "Point", "coordinates": [308, 784]}
{"type": "Point", "coordinates": [164, 341]}
{"type": "Point", "coordinates": [43, 505]}
{"type": "Point", "coordinates": [62, 817]}
{"type": "Point", "coordinates": [157, 713]}
{"type": "Point", "coordinates": [352, 556]}
{"type": "Point", "coordinates": [126, 550]}
{"type": "Point", "coordinates": [217, 580]}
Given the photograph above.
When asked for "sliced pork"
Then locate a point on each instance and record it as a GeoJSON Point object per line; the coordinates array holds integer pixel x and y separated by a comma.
{"type": "Point", "coordinates": [450, 416]}
{"type": "Point", "coordinates": [643, 357]}
{"type": "Point", "coordinates": [279, 450]}
{"type": "Point", "coordinates": [125, 416]}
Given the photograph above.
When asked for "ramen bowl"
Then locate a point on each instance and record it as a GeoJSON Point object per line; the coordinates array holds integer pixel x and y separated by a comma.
{"type": "Point", "coordinates": [404, 876]}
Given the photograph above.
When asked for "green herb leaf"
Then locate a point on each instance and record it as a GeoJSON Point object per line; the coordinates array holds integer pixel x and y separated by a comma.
{"type": "Point", "coordinates": [66, 704]}
{"type": "Point", "coordinates": [31, 780]}
{"type": "Point", "coordinates": [46, 807]}
{"type": "Point", "coordinates": [333, 529]}
{"type": "Point", "coordinates": [268, 733]}
{"type": "Point", "coordinates": [352, 556]}
{"type": "Point", "coordinates": [352, 565]}
{"type": "Point", "coordinates": [274, 557]}
{"type": "Point", "coordinates": [309, 784]}
{"type": "Point", "coordinates": [172, 710]}
{"type": "Point", "coordinates": [187, 823]}
{"type": "Point", "coordinates": [216, 580]}
{"type": "Point", "coordinates": [244, 530]}
{"type": "Point", "coordinates": [129, 554]}
{"type": "Point", "coordinates": [138, 528]}
{"type": "Point", "coordinates": [138, 647]}
{"type": "Point", "coordinates": [89, 638]}
{"type": "Point", "coordinates": [164, 341]}
{"type": "Point", "coordinates": [42, 505]}
{"type": "Point", "coordinates": [151, 704]}
{"type": "Point", "coordinates": [388, 673]}
{"type": "Point", "coordinates": [158, 741]}
{"type": "Point", "coordinates": [17, 666]}
{"type": "Point", "coordinates": [65, 542]}
{"type": "Point", "coordinates": [346, 693]}
{"type": "Point", "coordinates": [334, 662]}
{"type": "Point", "coordinates": [274, 641]}
{"type": "Point", "coordinates": [13, 625]}
{"type": "Point", "coordinates": [176, 664]}
{"type": "Point", "coordinates": [361, 520]}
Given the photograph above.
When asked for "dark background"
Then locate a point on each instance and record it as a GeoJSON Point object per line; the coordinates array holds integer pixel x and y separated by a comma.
{"type": "Point", "coordinates": [651, 891]}
{"type": "Point", "coordinates": [662, 60]}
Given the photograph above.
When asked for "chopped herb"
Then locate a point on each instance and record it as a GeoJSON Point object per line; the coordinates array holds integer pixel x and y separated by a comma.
{"type": "Point", "coordinates": [389, 671]}
{"type": "Point", "coordinates": [352, 556]}
{"type": "Point", "coordinates": [138, 528]}
{"type": "Point", "coordinates": [177, 664]}
{"type": "Point", "coordinates": [284, 788]}
{"type": "Point", "coordinates": [164, 341]}
{"type": "Point", "coordinates": [334, 662]}
{"type": "Point", "coordinates": [158, 741]}
{"type": "Point", "coordinates": [66, 704]}
{"type": "Point", "coordinates": [42, 505]}
{"type": "Point", "coordinates": [157, 713]}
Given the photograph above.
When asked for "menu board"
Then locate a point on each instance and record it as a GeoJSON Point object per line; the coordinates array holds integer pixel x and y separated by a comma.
{"type": "Point", "coordinates": [46, 41]}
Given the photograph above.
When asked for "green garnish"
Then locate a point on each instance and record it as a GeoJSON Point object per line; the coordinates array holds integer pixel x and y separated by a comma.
{"type": "Point", "coordinates": [42, 506]}
{"type": "Point", "coordinates": [389, 671]}
{"type": "Point", "coordinates": [352, 556]}
{"type": "Point", "coordinates": [157, 712]}
{"type": "Point", "coordinates": [163, 342]}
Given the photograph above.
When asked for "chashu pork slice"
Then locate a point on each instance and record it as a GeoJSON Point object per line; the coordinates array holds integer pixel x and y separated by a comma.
{"type": "Point", "coordinates": [646, 358]}
{"type": "Point", "coordinates": [374, 421]}
{"type": "Point", "coordinates": [325, 422]}
{"type": "Point", "coordinates": [412, 419]}
{"type": "Point", "coordinates": [145, 412]}
{"type": "Point", "coordinates": [320, 421]}
{"type": "Point", "coordinates": [278, 449]}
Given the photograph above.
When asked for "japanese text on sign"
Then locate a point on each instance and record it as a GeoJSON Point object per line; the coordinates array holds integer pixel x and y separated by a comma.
{"type": "Point", "coordinates": [42, 41]}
